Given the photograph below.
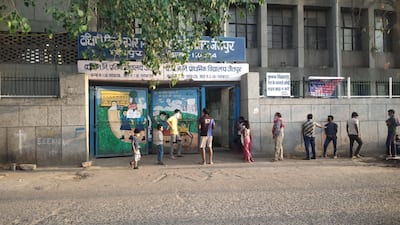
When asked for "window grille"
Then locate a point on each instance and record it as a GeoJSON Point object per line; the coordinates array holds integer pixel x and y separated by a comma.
{"type": "Point", "coordinates": [315, 31]}
{"type": "Point", "coordinates": [351, 30]}
{"type": "Point", "coordinates": [243, 23]}
{"type": "Point", "coordinates": [14, 85]}
{"type": "Point", "coordinates": [280, 28]}
{"type": "Point", "coordinates": [38, 48]}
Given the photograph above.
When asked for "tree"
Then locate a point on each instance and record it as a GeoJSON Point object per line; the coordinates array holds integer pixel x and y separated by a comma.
{"type": "Point", "coordinates": [165, 25]}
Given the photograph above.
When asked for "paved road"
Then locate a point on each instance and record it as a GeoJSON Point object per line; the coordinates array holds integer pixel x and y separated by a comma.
{"type": "Point", "coordinates": [323, 191]}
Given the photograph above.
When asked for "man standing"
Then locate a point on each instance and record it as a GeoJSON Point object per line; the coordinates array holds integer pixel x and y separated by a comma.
{"type": "Point", "coordinates": [206, 125]}
{"type": "Point", "coordinates": [175, 137]}
{"type": "Point", "coordinates": [353, 130]}
{"type": "Point", "coordinates": [309, 136]}
{"type": "Point", "coordinates": [277, 135]}
{"type": "Point", "coordinates": [391, 123]}
{"type": "Point", "coordinates": [330, 133]}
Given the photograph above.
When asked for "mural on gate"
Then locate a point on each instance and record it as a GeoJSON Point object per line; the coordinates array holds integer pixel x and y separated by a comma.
{"type": "Point", "coordinates": [119, 114]}
{"type": "Point", "coordinates": [164, 102]}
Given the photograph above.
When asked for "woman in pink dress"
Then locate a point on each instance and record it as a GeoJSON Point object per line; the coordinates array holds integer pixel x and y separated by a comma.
{"type": "Point", "coordinates": [247, 143]}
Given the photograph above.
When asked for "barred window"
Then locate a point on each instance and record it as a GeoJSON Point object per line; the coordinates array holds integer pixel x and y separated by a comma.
{"type": "Point", "coordinates": [243, 23]}
{"type": "Point", "coordinates": [383, 28]}
{"type": "Point", "coordinates": [34, 49]}
{"type": "Point", "coordinates": [280, 28]}
{"type": "Point", "coordinates": [351, 31]}
{"type": "Point", "coordinates": [315, 31]}
{"type": "Point", "coordinates": [23, 84]}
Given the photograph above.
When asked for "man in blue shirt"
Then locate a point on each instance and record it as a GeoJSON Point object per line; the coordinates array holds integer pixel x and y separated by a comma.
{"type": "Point", "coordinates": [330, 132]}
{"type": "Point", "coordinates": [391, 124]}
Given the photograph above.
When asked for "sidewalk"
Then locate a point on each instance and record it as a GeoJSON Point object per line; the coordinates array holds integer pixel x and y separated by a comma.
{"type": "Point", "coordinates": [232, 158]}
{"type": "Point", "coordinates": [223, 158]}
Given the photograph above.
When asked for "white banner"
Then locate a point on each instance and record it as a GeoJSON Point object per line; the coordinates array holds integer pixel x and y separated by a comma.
{"type": "Point", "coordinates": [278, 84]}
{"type": "Point", "coordinates": [111, 70]}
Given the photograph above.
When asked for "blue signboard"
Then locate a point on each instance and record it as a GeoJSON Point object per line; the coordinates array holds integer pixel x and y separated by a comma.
{"type": "Point", "coordinates": [219, 49]}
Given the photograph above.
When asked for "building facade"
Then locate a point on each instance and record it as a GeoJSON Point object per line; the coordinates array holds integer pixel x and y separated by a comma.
{"type": "Point", "coordinates": [46, 106]}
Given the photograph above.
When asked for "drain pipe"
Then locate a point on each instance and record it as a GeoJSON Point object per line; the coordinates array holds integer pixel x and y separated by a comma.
{"type": "Point", "coordinates": [338, 57]}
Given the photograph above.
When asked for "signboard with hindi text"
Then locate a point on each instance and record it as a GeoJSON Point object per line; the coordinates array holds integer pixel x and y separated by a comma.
{"type": "Point", "coordinates": [278, 84]}
{"type": "Point", "coordinates": [113, 70]}
{"type": "Point", "coordinates": [218, 49]}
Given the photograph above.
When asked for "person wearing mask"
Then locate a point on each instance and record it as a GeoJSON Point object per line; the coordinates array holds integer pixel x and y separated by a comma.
{"type": "Point", "coordinates": [174, 131]}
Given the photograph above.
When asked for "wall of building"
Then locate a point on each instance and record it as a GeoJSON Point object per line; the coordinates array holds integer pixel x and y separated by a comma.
{"type": "Point", "coordinates": [260, 111]}
{"type": "Point", "coordinates": [298, 59]}
{"type": "Point", "coordinates": [46, 131]}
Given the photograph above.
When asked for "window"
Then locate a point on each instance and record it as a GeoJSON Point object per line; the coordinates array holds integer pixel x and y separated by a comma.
{"type": "Point", "coordinates": [383, 31]}
{"type": "Point", "coordinates": [32, 85]}
{"type": "Point", "coordinates": [35, 49]}
{"type": "Point", "coordinates": [280, 28]}
{"type": "Point", "coordinates": [315, 31]}
{"type": "Point", "coordinates": [242, 23]}
{"type": "Point", "coordinates": [351, 31]}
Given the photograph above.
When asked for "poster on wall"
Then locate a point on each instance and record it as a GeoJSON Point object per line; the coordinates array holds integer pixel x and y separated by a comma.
{"type": "Point", "coordinates": [121, 113]}
{"type": "Point", "coordinates": [278, 84]}
{"type": "Point", "coordinates": [164, 102]}
{"type": "Point", "coordinates": [323, 86]}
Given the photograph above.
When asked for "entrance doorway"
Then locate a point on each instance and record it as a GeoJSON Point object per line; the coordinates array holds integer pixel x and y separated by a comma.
{"type": "Point", "coordinates": [223, 103]}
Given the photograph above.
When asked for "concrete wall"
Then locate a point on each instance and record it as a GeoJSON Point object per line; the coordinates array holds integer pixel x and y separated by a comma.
{"type": "Point", "coordinates": [46, 131]}
{"type": "Point", "coordinates": [260, 112]}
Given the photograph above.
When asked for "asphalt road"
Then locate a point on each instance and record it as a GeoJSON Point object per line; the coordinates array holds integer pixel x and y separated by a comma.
{"type": "Point", "coordinates": [323, 191]}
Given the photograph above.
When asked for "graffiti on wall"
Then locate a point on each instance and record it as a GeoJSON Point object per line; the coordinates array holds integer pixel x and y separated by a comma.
{"type": "Point", "coordinates": [120, 113]}
{"type": "Point", "coordinates": [164, 102]}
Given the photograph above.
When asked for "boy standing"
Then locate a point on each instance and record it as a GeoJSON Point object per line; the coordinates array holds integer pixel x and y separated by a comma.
{"type": "Point", "coordinates": [135, 150]}
{"type": "Point", "coordinates": [206, 125]}
{"type": "Point", "coordinates": [159, 140]}
{"type": "Point", "coordinates": [175, 137]}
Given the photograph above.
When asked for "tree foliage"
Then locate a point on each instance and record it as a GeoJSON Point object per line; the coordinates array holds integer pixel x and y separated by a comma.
{"type": "Point", "coordinates": [165, 25]}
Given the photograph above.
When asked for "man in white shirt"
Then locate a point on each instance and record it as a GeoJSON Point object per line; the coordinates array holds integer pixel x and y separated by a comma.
{"type": "Point", "coordinates": [353, 130]}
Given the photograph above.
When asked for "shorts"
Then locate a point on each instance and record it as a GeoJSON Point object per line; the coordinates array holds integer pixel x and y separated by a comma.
{"type": "Point", "coordinates": [206, 141]}
{"type": "Point", "coordinates": [136, 157]}
{"type": "Point", "coordinates": [175, 138]}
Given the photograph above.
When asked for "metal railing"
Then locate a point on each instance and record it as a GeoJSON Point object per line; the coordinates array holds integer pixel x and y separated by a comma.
{"type": "Point", "coordinates": [23, 85]}
{"type": "Point", "coordinates": [347, 88]}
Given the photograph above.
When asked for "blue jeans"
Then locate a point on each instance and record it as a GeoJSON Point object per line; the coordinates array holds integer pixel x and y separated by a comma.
{"type": "Point", "coordinates": [160, 152]}
{"type": "Point", "coordinates": [307, 142]}
{"type": "Point", "coordinates": [328, 139]}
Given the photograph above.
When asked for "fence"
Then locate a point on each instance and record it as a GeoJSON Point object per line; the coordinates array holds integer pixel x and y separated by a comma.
{"type": "Point", "coordinates": [23, 85]}
{"type": "Point", "coordinates": [346, 89]}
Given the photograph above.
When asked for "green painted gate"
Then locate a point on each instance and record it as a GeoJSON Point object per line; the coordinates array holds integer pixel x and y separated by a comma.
{"type": "Point", "coordinates": [118, 113]}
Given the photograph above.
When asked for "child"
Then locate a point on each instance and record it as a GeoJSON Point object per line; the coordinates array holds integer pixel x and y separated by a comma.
{"type": "Point", "coordinates": [159, 140]}
{"type": "Point", "coordinates": [247, 143]}
{"type": "Point", "coordinates": [135, 150]}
